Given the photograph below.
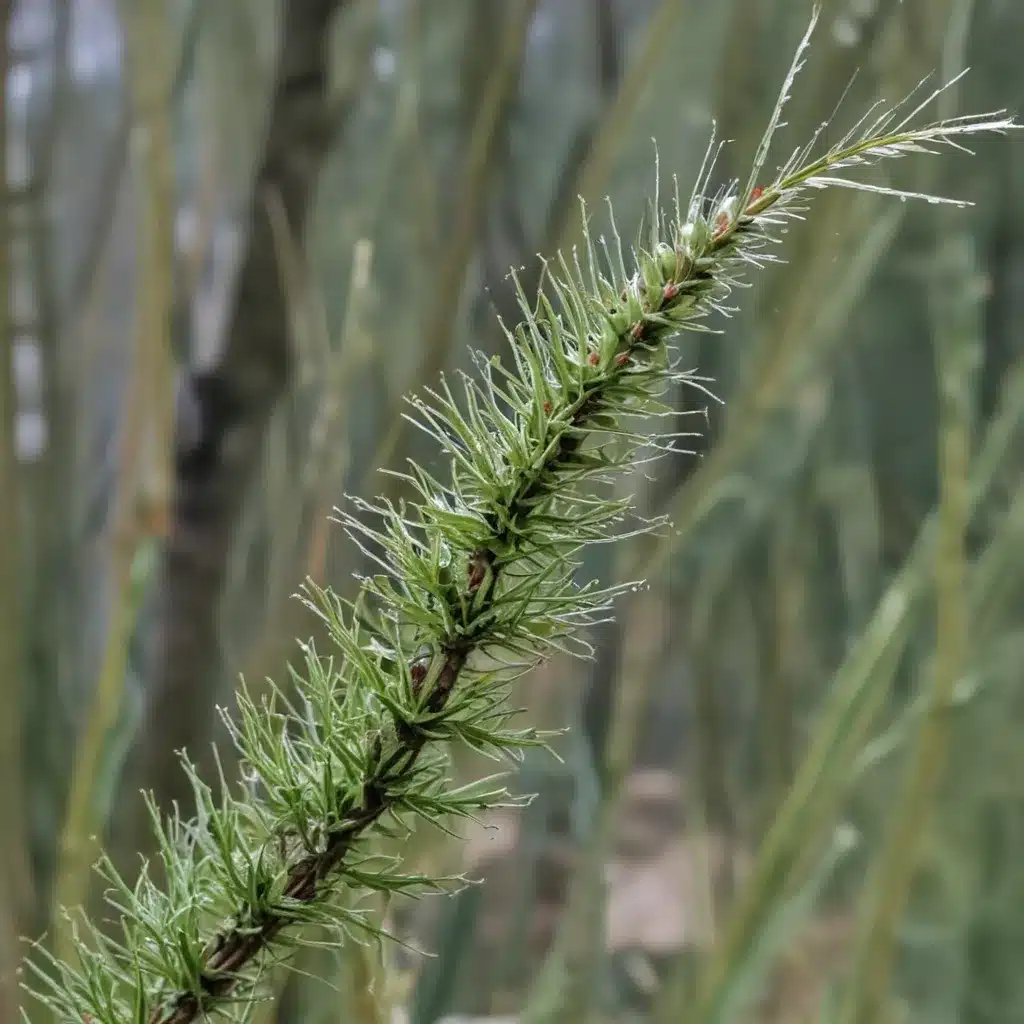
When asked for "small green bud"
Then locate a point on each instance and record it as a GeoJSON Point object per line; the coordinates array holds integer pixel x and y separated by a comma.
{"type": "Point", "coordinates": [681, 308]}
{"type": "Point", "coordinates": [634, 306]}
{"type": "Point", "coordinates": [620, 319]}
{"type": "Point", "coordinates": [694, 237]}
{"type": "Point", "coordinates": [673, 262]}
{"type": "Point", "coordinates": [608, 295]}
{"type": "Point", "coordinates": [653, 281]}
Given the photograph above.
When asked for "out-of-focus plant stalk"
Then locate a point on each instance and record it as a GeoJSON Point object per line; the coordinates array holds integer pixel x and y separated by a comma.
{"type": "Point", "coordinates": [15, 877]}
{"type": "Point", "coordinates": [480, 160]}
{"type": "Point", "coordinates": [594, 173]}
{"type": "Point", "coordinates": [954, 294]}
{"type": "Point", "coordinates": [856, 693]}
{"type": "Point", "coordinates": [147, 24]}
{"type": "Point", "coordinates": [143, 478]}
{"type": "Point", "coordinates": [326, 463]}
{"type": "Point", "coordinates": [956, 331]}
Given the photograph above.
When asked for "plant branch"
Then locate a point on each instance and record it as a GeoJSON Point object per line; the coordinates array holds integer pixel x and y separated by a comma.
{"type": "Point", "coordinates": [231, 951]}
{"type": "Point", "coordinates": [473, 582]}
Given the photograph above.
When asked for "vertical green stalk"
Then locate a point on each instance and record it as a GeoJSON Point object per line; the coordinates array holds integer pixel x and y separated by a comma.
{"type": "Point", "coordinates": [147, 26]}
{"type": "Point", "coordinates": [567, 988]}
{"type": "Point", "coordinates": [957, 330]}
{"type": "Point", "coordinates": [143, 470]}
{"type": "Point", "coordinates": [481, 150]}
{"type": "Point", "coordinates": [856, 692]}
{"type": "Point", "coordinates": [597, 168]}
{"type": "Point", "coordinates": [15, 879]}
{"type": "Point", "coordinates": [954, 304]}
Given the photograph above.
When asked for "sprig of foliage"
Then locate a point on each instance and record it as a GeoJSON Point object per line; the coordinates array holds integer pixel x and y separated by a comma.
{"type": "Point", "coordinates": [474, 583]}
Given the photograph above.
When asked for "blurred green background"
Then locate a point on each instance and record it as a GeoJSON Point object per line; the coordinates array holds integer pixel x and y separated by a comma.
{"type": "Point", "coordinates": [236, 232]}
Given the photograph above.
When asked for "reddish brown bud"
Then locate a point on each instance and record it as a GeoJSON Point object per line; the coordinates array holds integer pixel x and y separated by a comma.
{"type": "Point", "coordinates": [669, 292]}
{"type": "Point", "coordinates": [721, 224]}
{"type": "Point", "coordinates": [637, 331]}
{"type": "Point", "coordinates": [593, 359]}
{"type": "Point", "coordinates": [622, 358]}
{"type": "Point", "coordinates": [547, 407]}
{"type": "Point", "coordinates": [418, 673]}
